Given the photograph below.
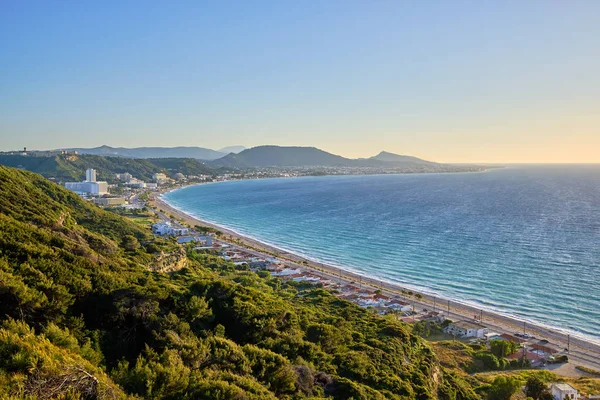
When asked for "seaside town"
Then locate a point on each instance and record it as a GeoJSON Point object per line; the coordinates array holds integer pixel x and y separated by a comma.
{"type": "Point", "coordinates": [405, 305]}
{"type": "Point", "coordinates": [316, 200]}
{"type": "Point", "coordinates": [448, 319]}
{"type": "Point", "coordinates": [530, 350]}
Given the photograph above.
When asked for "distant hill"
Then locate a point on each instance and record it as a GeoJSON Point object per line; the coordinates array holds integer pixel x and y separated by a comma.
{"type": "Point", "coordinates": [198, 153]}
{"type": "Point", "coordinates": [280, 157]}
{"type": "Point", "coordinates": [72, 167]}
{"type": "Point", "coordinates": [276, 156]}
{"type": "Point", "coordinates": [232, 149]}
{"type": "Point", "coordinates": [397, 158]}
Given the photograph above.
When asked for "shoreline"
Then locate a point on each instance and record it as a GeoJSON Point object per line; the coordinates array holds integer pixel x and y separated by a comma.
{"type": "Point", "coordinates": [586, 351]}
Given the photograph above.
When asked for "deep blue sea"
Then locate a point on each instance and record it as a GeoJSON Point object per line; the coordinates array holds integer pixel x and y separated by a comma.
{"type": "Point", "coordinates": [522, 240]}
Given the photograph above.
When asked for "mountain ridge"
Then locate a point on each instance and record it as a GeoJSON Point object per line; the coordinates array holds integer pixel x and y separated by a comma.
{"type": "Point", "coordinates": [71, 167]}
{"type": "Point", "coordinates": [398, 158]}
{"type": "Point", "coordinates": [297, 156]}
{"type": "Point", "coordinates": [232, 149]}
{"type": "Point", "coordinates": [199, 153]}
{"type": "Point", "coordinates": [287, 156]}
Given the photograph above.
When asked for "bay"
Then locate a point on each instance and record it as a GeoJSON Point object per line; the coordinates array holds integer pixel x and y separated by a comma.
{"type": "Point", "coordinates": [522, 240]}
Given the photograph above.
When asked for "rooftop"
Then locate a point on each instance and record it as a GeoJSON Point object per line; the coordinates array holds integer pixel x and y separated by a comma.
{"type": "Point", "coordinates": [563, 386]}
{"type": "Point", "coordinates": [468, 325]}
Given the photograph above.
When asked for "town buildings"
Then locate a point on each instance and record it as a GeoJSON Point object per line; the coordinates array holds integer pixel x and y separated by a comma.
{"type": "Point", "coordinates": [110, 201]}
{"type": "Point", "coordinates": [125, 177]}
{"type": "Point", "coordinates": [467, 329]}
{"type": "Point", "coordinates": [90, 186]}
{"type": "Point", "coordinates": [160, 177]}
{"type": "Point", "coordinates": [166, 228]}
{"type": "Point", "coordinates": [90, 175]}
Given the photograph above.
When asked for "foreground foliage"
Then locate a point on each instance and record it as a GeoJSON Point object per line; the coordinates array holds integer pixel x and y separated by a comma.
{"type": "Point", "coordinates": [83, 317]}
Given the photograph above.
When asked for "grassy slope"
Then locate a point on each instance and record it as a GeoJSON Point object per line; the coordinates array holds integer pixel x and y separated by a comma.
{"type": "Point", "coordinates": [77, 302]}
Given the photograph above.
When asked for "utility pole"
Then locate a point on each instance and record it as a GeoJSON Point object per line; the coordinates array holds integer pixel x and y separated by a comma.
{"type": "Point", "coordinates": [569, 344]}
{"type": "Point", "coordinates": [481, 316]}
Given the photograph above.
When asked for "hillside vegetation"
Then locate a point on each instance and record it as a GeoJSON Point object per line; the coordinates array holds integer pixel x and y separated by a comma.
{"type": "Point", "coordinates": [72, 167]}
{"type": "Point", "coordinates": [82, 315]}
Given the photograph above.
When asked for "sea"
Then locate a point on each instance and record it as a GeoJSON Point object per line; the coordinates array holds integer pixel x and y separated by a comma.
{"type": "Point", "coordinates": [521, 240]}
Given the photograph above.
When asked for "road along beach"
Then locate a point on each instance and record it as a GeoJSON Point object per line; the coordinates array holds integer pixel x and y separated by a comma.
{"type": "Point", "coordinates": [582, 352]}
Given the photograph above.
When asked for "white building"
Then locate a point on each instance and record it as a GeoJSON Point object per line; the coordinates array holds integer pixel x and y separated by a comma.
{"type": "Point", "coordinates": [165, 228]}
{"type": "Point", "coordinates": [467, 329]}
{"type": "Point", "coordinates": [401, 306]}
{"type": "Point", "coordinates": [161, 228]}
{"type": "Point", "coordinates": [134, 183]}
{"type": "Point", "coordinates": [287, 272]}
{"type": "Point", "coordinates": [90, 175]}
{"type": "Point", "coordinates": [179, 231]}
{"type": "Point", "coordinates": [159, 176]}
{"type": "Point", "coordinates": [89, 186]}
{"type": "Point", "coordinates": [564, 391]}
{"type": "Point", "coordinates": [95, 188]}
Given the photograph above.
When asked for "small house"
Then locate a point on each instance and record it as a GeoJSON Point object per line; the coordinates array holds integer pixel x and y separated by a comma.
{"type": "Point", "coordinates": [564, 391]}
{"type": "Point", "coordinates": [467, 329]}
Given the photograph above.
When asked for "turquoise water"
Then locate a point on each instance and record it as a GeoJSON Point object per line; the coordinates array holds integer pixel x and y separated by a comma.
{"type": "Point", "coordinates": [522, 240]}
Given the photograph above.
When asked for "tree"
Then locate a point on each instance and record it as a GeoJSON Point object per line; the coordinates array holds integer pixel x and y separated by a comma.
{"type": "Point", "coordinates": [534, 387]}
{"type": "Point", "coordinates": [502, 348]}
{"type": "Point", "coordinates": [130, 243]}
{"type": "Point", "coordinates": [197, 309]}
{"type": "Point", "coordinates": [503, 387]}
{"type": "Point", "coordinates": [546, 395]}
{"type": "Point", "coordinates": [486, 361]}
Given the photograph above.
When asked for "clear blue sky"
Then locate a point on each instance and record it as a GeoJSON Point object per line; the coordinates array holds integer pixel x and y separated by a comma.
{"type": "Point", "coordinates": [450, 81]}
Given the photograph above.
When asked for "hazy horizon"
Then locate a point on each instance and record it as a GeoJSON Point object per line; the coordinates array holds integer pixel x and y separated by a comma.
{"type": "Point", "coordinates": [333, 152]}
{"type": "Point", "coordinates": [460, 82]}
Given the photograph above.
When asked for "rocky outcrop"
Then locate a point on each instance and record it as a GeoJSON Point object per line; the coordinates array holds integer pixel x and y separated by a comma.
{"type": "Point", "coordinates": [169, 262]}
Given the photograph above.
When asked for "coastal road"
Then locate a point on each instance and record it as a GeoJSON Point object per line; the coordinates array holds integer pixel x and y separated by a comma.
{"type": "Point", "coordinates": [581, 352]}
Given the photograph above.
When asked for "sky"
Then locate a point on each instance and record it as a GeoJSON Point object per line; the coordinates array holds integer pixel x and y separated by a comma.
{"type": "Point", "coordinates": [459, 81]}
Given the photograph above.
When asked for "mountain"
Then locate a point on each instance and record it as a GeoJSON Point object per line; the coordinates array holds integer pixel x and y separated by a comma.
{"type": "Point", "coordinates": [311, 157]}
{"type": "Point", "coordinates": [400, 159]}
{"type": "Point", "coordinates": [85, 314]}
{"type": "Point", "coordinates": [277, 156]}
{"type": "Point", "coordinates": [71, 167]}
{"type": "Point", "coordinates": [199, 153]}
{"type": "Point", "coordinates": [232, 149]}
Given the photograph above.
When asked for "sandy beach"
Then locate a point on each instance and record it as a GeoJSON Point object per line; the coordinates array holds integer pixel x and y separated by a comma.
{"type": "Point", "coordinates": [582, 352]}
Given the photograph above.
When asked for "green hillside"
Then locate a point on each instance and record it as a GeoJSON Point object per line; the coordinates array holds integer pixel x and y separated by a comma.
{"type": "Point", "coordinates": [83, 315]}
{"type": "Point", "coordinates": [72, 167]}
